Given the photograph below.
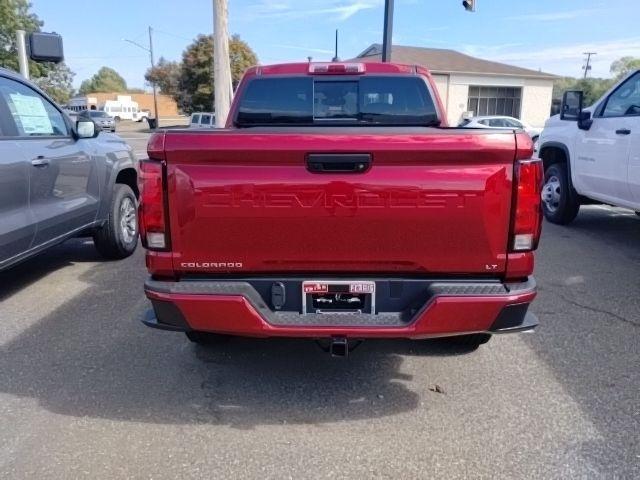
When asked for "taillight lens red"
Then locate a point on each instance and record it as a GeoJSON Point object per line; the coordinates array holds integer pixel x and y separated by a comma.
{"type": "Point", "coordinates": [527, 220]}
{"type": "Point", "coordinates": [152, 208]}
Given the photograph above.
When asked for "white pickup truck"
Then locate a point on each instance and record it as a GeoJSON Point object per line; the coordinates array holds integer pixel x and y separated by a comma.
{"type": "Point", "coordinates": [592, 155]}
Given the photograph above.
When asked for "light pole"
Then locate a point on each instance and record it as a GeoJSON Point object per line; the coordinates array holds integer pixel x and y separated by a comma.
{"type": "Point", "coordinates": [222, 83]}
{"type": "Point", "coordinates": [21, 45]}
{"type": "Point", "coordinates": [387, 32]}
{"type": "Point", "coordinates": [153, 84]}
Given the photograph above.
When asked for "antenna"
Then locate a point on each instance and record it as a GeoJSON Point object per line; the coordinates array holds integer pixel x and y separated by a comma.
{"type": "Point", "coordinates": [335, 58]}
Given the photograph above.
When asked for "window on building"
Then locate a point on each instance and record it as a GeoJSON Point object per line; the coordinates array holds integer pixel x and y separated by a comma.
{"type": "Point", "coordinates": [495, 101]}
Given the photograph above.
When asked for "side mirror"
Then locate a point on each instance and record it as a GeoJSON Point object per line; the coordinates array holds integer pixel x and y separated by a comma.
{"type": "Point", "coordinates": [584, 120]}
{"type": "Point", "coordinates": [571, 105]}
{"type": "Point", "coordinates": [86, 129]}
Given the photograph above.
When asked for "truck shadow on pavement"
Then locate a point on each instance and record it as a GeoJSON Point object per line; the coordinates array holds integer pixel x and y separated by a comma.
{"type": "Point", "coordinates": [92, 357]}
{"type": "Point", "coordinates": [23, 275]}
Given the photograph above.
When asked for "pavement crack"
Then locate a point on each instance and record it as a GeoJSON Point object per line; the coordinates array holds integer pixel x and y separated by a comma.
{"type": "Point", "coordinates": [598, 310]}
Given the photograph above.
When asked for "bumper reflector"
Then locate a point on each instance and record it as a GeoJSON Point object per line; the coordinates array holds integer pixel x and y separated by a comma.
{"type": "Point", "coordinates": [522, 242]}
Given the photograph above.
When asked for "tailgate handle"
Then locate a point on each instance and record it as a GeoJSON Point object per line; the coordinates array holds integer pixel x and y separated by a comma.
{"type": "Point", "coordinates": [338, 162]}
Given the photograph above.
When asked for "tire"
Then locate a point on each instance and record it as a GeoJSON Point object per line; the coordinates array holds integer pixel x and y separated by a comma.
{"type": "Point", "coordinates": [206, 338]}
{"type": "Point", "coordinates": [559, 200]}
{"type": "Point", "coordinates": [117, 119]}
{"type": "Point", "coordinates": [471, 342]}
{"type": "Point", "coordinates": [118, 237]}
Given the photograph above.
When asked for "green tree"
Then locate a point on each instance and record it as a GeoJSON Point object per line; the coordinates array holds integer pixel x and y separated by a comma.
{"type": "Point", "coordinates": [241, 57]}
{"type": "Point", "coordinates": [195, 86]}
{"type": "Point", "coordinates": [55, 79]}
{"type": "Point", "coordinates": [623, 66]}
{"type": "Point", "coordinates": [593, 88]}
{"type": "Point", "coordinates": [57, 83]}
{"type": "Point", "coordinates": [166, 75]}
{"type": "Point", "coordinates": [15, 15]}
{"type": "Point", "coordinates": [106, 80]}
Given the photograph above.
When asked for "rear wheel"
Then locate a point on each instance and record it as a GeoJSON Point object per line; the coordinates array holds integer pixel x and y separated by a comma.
{"type": "Point", "coordinates": [206, 338]}
{"type": "Point", "coordinates": [118, 237]}
{"type": "Point", "coordinates": [559, 201]}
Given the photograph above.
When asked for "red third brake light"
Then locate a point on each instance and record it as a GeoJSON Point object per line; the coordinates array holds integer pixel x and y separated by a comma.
{"type": "Point", "coordinates": [329, 68]}
{"type": "Point", "coordinates": [153, 225]}
{"type": "Point", "coordinates": [527, 219]}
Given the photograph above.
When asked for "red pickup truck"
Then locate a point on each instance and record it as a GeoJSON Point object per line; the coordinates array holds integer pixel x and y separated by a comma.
{"type": "Point", "coordinates": [338, 205]}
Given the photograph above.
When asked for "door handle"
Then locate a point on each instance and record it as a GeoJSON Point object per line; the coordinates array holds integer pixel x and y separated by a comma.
{"type": "Point", "coordinates": [40, 161]}
{"type": "Point", "coordinates": [623, 131]}
{"type": "Point", "coordinates": [338, 162]}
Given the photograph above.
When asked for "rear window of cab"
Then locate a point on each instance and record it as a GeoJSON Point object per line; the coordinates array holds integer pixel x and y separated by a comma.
{"type": "Point", "coordinates": [308, 100]}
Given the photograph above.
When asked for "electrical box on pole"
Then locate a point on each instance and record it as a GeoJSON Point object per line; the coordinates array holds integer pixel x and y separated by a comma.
{"type": "Point", "coordinates": [45, 47]}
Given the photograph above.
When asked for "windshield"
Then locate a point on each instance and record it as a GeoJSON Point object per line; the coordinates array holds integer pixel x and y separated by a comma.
{"type": "Point", "coordinates": [377, 100]}
{"type": "Point", "coordinates": [97, 114]}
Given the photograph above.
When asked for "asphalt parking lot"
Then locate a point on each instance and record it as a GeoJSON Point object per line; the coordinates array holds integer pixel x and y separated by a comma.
{"type": "Point", "coordinates": [86, 391]}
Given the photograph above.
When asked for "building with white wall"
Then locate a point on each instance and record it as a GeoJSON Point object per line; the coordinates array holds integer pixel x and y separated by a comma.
{"type": "Point", "coordinates": [471, 86]}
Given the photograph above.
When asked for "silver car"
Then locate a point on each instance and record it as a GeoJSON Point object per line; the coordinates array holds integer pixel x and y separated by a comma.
{"type": "Point", "coordinates": [100, 118]}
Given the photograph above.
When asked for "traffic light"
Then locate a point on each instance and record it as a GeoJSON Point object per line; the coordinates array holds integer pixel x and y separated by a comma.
{"type": "Point", "coordinates": [469, 5]}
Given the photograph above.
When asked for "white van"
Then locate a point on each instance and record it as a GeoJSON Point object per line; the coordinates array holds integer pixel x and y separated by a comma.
{"type": "Point", "coordinates": [122, 109]}
{"type": "Point", "coordinates": [202, 120]}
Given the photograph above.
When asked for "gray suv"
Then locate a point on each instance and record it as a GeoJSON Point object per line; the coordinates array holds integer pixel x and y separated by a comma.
{"type": "Point", "coordinates": [58, 179]}
{"type": "Point", "coordinates": [100, 118]}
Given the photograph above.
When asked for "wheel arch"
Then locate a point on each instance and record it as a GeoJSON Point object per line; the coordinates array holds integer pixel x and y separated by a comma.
{"type": "Point", "coordinates": [129, 176]}
{"type": "Point", "coordinates": [552, 153]}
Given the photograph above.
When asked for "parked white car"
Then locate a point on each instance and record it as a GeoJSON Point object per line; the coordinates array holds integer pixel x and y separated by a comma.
{"type": "Point", "coordinates": [501, 122]}
{"type": "Point", "coordinates": [592, 155]}
{"type": "Point", "coordinates": [202, 120]}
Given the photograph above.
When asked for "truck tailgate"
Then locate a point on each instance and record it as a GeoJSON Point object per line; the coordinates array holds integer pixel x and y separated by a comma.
{"type": "Point", "coordinates": [432, 201]}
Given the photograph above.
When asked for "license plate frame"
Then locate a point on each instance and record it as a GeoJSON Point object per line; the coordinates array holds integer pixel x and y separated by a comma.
{"type": "Point", "coordinates": [365, 290]}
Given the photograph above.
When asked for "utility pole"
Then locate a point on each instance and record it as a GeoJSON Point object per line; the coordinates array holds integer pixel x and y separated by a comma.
{"type": "Point", "coordinates": [587, 66]}
{"type": "Point", "coordinates": [153, 84]}
{"type": "Point", "coordinates": [387, 33]}
{"type": "Point", "coordinates": [23, 61]}
{"type": "Point", "coordinates": [222, 86]}
{"type": "Point", "coordinates": [335, 57]}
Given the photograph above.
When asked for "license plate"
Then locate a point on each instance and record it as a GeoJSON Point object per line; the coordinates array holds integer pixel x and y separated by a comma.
{"type": "Point", "coordinates": [338, 296]}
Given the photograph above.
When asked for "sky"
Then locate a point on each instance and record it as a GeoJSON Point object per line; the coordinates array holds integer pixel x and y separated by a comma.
{"type": "Point", "coordinates": [547, 35]}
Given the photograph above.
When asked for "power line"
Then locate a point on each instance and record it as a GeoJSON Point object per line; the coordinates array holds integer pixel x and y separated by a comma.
{"type": "Point", "coordinates": [173, 35]}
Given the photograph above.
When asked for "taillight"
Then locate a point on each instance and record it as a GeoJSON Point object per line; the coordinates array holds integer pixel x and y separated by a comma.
{"type": "Point", "coordinates": [527, 216]}
{"type": "Point", "coordinates": [153, 214]}
{"type": "Point", "coordinates": [336, 68]}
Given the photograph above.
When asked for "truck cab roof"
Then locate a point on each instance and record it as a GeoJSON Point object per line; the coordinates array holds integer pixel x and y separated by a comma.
{"type": "Point", "coordinates": [315, 68]}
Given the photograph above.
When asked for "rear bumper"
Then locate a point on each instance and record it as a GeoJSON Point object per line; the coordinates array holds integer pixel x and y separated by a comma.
{"type": "Point", "coordinates": [237, 308]}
